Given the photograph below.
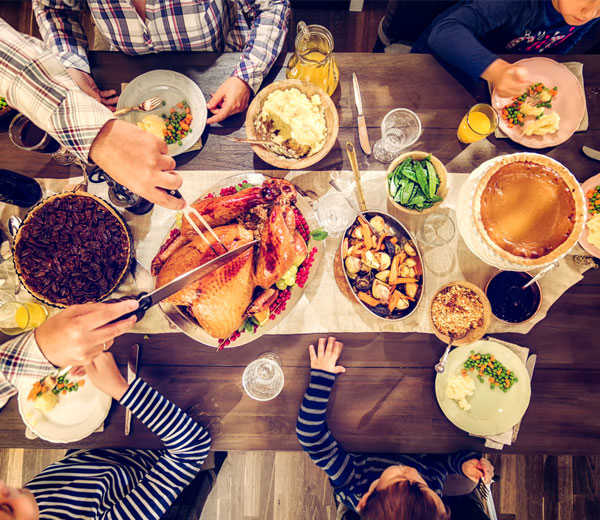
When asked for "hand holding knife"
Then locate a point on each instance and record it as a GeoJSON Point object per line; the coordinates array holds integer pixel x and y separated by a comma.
{"type": "Point", "coordinates": [363, 136]}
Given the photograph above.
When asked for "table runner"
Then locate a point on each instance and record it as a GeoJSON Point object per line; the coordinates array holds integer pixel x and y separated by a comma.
{"type": "Point", "coordinates": [323, 308]}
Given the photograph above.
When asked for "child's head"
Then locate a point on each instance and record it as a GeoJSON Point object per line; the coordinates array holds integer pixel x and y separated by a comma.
{"type": "Point", "coordinates": [401, 493]}
{"type": "Point", "coordinates": [578, 12]}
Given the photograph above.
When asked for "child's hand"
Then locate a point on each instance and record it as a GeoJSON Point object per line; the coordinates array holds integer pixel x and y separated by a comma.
{"type": "Point", "coordinates": [507, 79]}
{"type": "Point", "coordinates": [326, 356]}
{"type": "Point", "coordinates": [476, 469]}
{"type": "Point", "coordinates": [105, 374]}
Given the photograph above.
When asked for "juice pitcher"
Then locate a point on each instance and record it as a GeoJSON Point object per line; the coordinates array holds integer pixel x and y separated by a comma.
{"type": "Point", "coordinates": [313, 59]}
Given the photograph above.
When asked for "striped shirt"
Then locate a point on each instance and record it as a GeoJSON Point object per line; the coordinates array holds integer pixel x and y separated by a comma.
{"type": "Point", "coordinates": [257, 28]}
{"type": "Point", "coordinates": [127, 484]}
{"type": "Point", "coordinates": [351, 474]}
{"type": "Point", "coordinates": [34, 82]}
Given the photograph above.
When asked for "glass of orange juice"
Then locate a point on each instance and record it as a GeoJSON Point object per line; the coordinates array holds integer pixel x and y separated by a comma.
{"type": "Point", "coordinates": [479, 122]}
{"type": "Point", "coordinates": [37, 314]}
{"type": "Point", "coordinates": [14, 318]}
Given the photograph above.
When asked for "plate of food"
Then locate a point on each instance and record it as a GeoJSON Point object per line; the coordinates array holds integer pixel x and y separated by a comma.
{"type": "Point", "coordinates": [382, 266]}
{"type": "Point", "coordinates": [239, 302]}
{"type": "Point", "coordinates": [460, 309]}
{"type": "Point", "coordinates": [72, 248]}
{"type": "Point", "coordinates": [417, 182]}
{"type": "Point", "coordinates": [181, 117]}
{"type": "Point", "coordinates": [549, 111]}
{"type": "Point", "coordinates": [590, 237]}
{"type": "Point", "coordinates": [485, 389]}
{"type": "Point", "coordinates": [298, 120]}
{"type": "Point", "coordinates": [63, 408]}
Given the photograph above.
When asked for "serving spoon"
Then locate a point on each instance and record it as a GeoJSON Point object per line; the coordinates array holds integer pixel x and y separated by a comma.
{"type": "Point", "coordinates": [441, 364]}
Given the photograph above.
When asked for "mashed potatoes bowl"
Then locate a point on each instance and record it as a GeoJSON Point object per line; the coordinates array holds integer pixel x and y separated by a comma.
{"type": "Point", "coordinates": [320, 142]}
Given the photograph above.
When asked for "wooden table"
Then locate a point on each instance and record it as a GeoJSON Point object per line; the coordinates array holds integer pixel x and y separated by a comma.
{"type": "Point", "coordinates": [385, 401]}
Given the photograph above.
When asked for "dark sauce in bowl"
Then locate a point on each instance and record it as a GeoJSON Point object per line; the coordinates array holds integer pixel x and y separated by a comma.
{"type": "Point", "coordinates": [509, 301]}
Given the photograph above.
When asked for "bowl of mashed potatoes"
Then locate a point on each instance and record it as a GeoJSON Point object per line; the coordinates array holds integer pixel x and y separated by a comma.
{"type": "Point", "coordinates": [298, 118]}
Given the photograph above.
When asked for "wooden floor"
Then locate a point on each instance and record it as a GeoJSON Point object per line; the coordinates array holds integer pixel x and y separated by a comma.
{"type": "Point", "coordinates": [287, 486]}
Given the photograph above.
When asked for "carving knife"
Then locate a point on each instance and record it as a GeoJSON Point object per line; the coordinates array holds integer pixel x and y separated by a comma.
{"type": "Point", "coordinates": [147, 300]}
{"type": "Point", "coordinates": [132, 369]}
{"type": "Point", "coordinates": [363, 136]}
{"type": "Point", "coordinates": [591, 153]}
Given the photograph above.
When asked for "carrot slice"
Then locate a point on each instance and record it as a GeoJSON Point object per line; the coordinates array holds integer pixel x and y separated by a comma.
{"type": "Point", "coordinates": [368, 299]}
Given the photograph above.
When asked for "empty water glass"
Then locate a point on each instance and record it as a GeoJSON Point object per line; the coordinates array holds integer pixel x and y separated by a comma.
{"type": "Point", "coordinates": [437, 229]}
{"type": "Point", "coordinates": [400, 129]}
{"type": "Point", "coordinates": [263, 378]}
{"type": "Point", "coordinates": [334, 213]}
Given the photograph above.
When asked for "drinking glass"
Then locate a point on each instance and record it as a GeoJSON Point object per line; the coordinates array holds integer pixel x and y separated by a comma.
{"type": "Point", "coordinates": [334, 213]}
{"type": "Point", "coordinates": [27, 136]}
{"type": "Point", "coordinates": [263, 378]}
{"type": "Point", "coordinates": [480, 121]}
{"type": "Point", "coordinates": [14, 318]}
{"type": "Point", "coordinates": [400, 129]}
{"type": "Point", "coordinates": [37, 314]}
{"type": "Point", "coordinates": [437, 229]}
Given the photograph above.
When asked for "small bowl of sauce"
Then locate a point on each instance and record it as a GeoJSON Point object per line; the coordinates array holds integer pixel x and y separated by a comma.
{"type": "Point", "coordinates": [510, 302]}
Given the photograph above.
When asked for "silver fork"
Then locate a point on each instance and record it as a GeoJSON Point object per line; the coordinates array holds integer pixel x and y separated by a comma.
{"type": "Point", "coordinates": [485, 491]}
{"type": "Point", "coordinates": [145, 106]}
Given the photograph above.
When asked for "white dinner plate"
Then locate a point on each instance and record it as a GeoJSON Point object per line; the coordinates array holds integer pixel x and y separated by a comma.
{"type": "Point", "coordinates": [76, 416]}
{"type": "Point", "coordinates": [172, 87]}
{"type": "Point", "coordinates": [492, 411]}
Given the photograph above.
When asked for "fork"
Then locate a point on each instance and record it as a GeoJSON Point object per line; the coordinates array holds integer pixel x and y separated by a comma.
{"type": "Point", "coordinates": [186, 214]}
{"type": "Point", "coordinates": [145, 106]}
{"type": "Point", "coordinates": [485, 491]}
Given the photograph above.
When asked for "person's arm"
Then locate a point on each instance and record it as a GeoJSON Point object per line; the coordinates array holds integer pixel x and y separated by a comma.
{"type": "Point", "coordinates": [74, 337]}
{"type": "Point", "coordinates": [311, 428]}
{"type": "Point", "coordinates": [268, 28]}
{"type": "Point", "coordinates": [60, 27]}
{"type": "Point", "coordinates": [186, 443]}
{"type": "Point", "coordinates": [455, 37]}
{"type": "Point", "coordinates": [35, 83]}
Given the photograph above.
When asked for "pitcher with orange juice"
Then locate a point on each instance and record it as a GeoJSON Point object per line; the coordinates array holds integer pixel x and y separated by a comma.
{"type": "Point", "coordinates": [479, 122]}
{"type": "Point", "coordinates": [313, 59]}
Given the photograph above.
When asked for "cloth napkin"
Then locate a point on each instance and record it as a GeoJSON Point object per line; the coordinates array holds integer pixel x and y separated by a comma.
{"type": "Point", "coordinates": [577, 69]}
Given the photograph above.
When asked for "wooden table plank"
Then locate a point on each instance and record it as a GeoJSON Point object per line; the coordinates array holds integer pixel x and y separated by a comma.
{"type": "Point", "coordinates": [408, 419]}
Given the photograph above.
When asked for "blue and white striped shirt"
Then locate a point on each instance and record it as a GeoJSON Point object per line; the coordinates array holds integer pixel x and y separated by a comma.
{"type": "Point", "coordinates": [351, 474]}
{"type": "Point", "coordinates": [127, 484]}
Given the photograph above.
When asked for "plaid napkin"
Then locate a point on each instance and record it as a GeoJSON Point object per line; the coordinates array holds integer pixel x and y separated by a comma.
{"type": "Point", "coordinates": [497, 442]}
{"type": "Point", "coordinates": [577, 69]}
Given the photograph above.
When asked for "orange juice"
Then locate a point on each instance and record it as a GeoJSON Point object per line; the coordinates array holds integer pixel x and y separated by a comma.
{"type": "Point", "coordinates": [37, 314]}
{"type": "Point", "coordinates": [315, 68]}
{"type": "Point", "coordinates": [14, 318]}
{"type": "Point", "coordinates": [474, 126]}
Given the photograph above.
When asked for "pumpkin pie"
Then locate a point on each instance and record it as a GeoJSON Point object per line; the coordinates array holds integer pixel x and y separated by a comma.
{"type": "Point", "coordinates": [529, 209]}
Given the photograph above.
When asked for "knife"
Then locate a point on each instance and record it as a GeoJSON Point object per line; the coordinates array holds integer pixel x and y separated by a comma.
{"type": "Point", "coordinates": [591, 153]}
{"type": "Point", "coordinates": [147, 300]}
{"type": "Point", "coordinates": [132, 368]}
{"type": "Point", "coordinates": [363, 136]}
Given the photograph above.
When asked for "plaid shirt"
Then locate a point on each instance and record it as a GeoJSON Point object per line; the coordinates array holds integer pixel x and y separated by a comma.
{"type": "Point", "coordinates": [34, 82]}
{"type": "Point", "coordinates": [257, 28]}
{"type": "Point", "coordinates": [21, 363]}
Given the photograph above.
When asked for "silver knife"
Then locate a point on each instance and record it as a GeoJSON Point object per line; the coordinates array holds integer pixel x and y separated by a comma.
{"type": "Point", "coordinates": [363, 136]}
{"type": "Point", "coordinates": [147, 300]}
{"type": "Point", "coordinates": [591, 153]}
{"type": "Point", "coordinates": [132, 369]}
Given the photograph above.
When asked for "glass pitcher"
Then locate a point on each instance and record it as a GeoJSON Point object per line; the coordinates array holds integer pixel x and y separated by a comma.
{"type": "Point", "coordinates": [313, 59]}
